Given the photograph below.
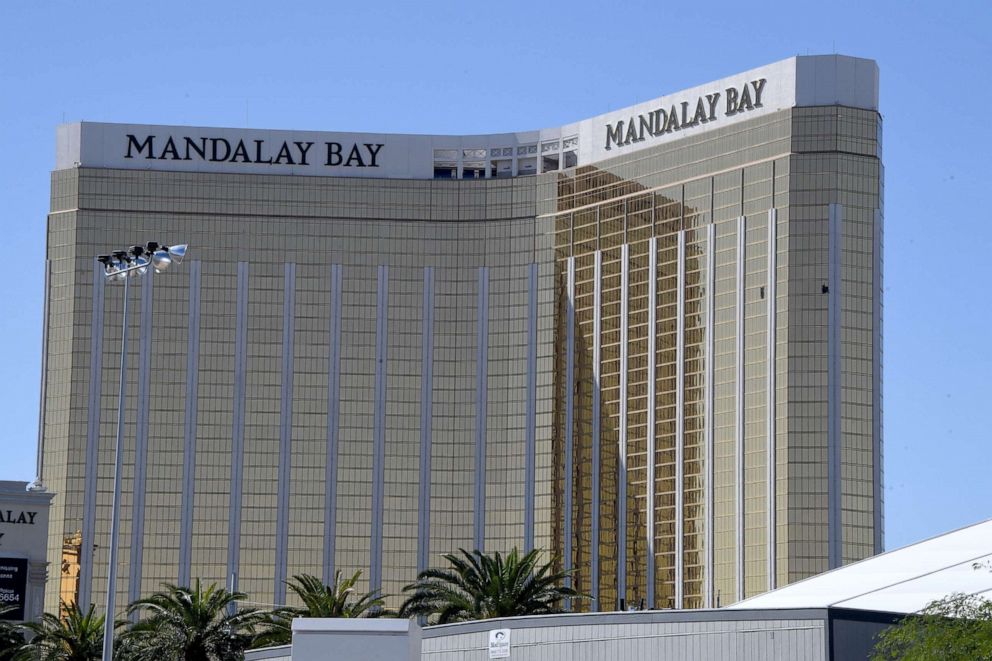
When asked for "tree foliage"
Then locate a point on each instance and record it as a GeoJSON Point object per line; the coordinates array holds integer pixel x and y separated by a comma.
{"type": "Point", "coordinates": [77, 636]}
{"type": "Point", "coordinates": [479, 586]}
{"type": "Point", "coordinates": [958, 628]}
{"type": "Point", "coordinates": [189, 624]}
{"type": "Point", "coordinates": [339, 599]}
{"type": "Point", "coordinates": [11, 636]}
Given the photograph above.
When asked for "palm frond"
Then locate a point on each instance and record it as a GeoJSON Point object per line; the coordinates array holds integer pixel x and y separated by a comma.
{"type": "Point", "coordinates": [77, 636]}
{"type": "Point", "coordinates": [479, 586]}
{"type": "Point", "coordinates": [340, 598]}
{"type": "Point", "coordinates": [194, 622]}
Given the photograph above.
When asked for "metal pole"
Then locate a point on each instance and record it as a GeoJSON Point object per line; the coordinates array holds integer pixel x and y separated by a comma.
{"type": "Point", "coordinates": [108, 625]}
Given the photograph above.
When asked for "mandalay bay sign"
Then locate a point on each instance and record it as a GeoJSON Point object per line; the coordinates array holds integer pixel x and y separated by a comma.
{"type": "Point", "coordinates": [686, 114]}
{"type": "Point", "coordinates": [259, 152]}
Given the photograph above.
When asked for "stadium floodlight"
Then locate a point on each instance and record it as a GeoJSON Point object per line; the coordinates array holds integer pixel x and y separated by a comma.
{"type": "Point", "coordinates": [124, 266]}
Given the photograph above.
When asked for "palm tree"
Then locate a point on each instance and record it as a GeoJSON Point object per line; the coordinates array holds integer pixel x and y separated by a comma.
{"type": "Point", "coordinates": [76, 636]}
{"type": "Point", "coordinates": [480, 586]}
{"type": "Point", "coordinates": [190, 624]}
{"type": "Point", "coordinates": [339, 599]}
{"type": "Point", "coordinates": [11, 636]}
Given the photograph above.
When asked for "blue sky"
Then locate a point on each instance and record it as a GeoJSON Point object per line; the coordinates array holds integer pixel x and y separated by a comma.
{"type": "Point", "coordinates": [447, 67]}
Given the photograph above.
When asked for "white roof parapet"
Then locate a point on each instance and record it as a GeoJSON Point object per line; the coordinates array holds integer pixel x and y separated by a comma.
{"type": "Point", "coordinates": [797, 81]}
{"type": "Point", "coordinates": [354, 624]}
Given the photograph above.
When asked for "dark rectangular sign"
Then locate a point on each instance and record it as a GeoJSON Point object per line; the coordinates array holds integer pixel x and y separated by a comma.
{"type": "Point", "coordinates": [13, 587]}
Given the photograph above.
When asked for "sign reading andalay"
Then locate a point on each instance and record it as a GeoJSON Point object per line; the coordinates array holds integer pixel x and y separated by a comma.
{"type": "Point", "coordinates": [13, 584]}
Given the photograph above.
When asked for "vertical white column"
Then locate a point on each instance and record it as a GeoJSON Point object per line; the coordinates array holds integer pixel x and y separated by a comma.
{"type": "Point", "coordinates": [92, 437]}
{"type": "Point", "coordinates": [285, 432]}
{"type": "Point", "coordinates": [238, 428]}
{"type": "Point", "coordinates": [379, 425]}
{"type": "Point", "coordinates": [481, 406]}
{"type": "Point", "coordinates": [136, 562]}
{"type": "Point", "coordinates": [596, 424]}
{"type": "Point", "coordinates": [651, 411]}
{"type": "Point", "coordinates": [531, 421]}
{"type": "Point", "coordinates": [622, 431]}
{"type": "Point", "coordinates": [333, 424]}
{"type": "Point", "coordinates": [739, 408]}
{"type": "Point", "coordinates": [680, 423]}
{"type": "Point", "coordinates": [834, 517]}
{"type": "Point", "coordinates": [771, 401]}
{"type": "Point", "coordinates": [43, 394]}
{"type": "Point", "coordinates": [426, 421]}
{"type": "Point", "coordinates": [569, 417]}
{"type": "Point", "coordinates": [878, 522]}
{"type": "Point", "coordinates": [189, 425]}
{"type": "Point", "coordinates": [709, 395]}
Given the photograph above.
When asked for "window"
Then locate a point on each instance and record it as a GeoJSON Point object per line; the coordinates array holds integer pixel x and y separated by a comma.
{"type": "Point", "coordinates": [445, 170]}
{"type": "Point", "coordinates": [501, 168]}
{"type": "Point", "coordinates": [473, 170]}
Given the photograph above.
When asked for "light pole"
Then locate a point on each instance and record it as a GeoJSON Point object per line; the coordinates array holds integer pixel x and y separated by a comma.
{"type": "Point", "coordinates": [122, 266]}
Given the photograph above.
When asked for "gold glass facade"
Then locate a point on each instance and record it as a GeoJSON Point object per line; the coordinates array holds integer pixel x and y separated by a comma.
{"type": "Point", "coordinates": [735, 470]}
{"type": "Point", "coordinates": [215, 461]}
{"type": "Point", "coordinates": [621, 363]}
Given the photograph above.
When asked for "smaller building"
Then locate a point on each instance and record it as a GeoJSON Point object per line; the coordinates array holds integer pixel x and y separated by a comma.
{"type": "Point", "coordinates": [23, 545]}
{"type": "Point", "coordinates": [355, 639]}
{"type": "Point", "coordinates": [835, 616]}
{"type": "Point", "coordinates": [794, 634]}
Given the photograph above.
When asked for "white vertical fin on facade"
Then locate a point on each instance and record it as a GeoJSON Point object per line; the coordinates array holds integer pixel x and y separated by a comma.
{"type": "Point", "coordinates": [43, 382]}
{"type": "Point", "coordinates": [651, 411]}
{"type": "Point", "coordinates": [285, 431]}
{"type": "Point", "coordinates": [596, 370]}
{"type": "Point", "coordinates": [772, 399]}
{"type": "Point", "coordinates": [878, 522]}
{"type": "Point", "coordinates": [739, 409]}
{"type": "Point", "coordinates": [834, 516]}
{"type": "Point", "coordinates": [92, 436]}
{"type": "Point", "coordinates": [189, 424]}
{"type": "Point", "coordinates": [379, 425]}
{"type": "Point", "coordinates": [333, 424]}
{"type": "Point", "coordinates": [481, 406]}
{"type": "Point", "coordinates": [569, 417]}
{"type": "Point", "coordinates": [531, 431]}
{"type": "Point", "coordinates": [238, 428]}
{"type": "Point", "coordinates": [622, 435]}
{"type": "Point", "coordinates": [680, 422]}
{"type": "Point", "coordinates": [709, 394]}
{"type": "Point", "coordinates": [141, 438]}
{"type": "Point", "coordinates": [426, 421]}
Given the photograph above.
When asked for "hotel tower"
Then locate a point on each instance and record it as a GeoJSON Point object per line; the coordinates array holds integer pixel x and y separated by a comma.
{"type": "Point", "coordinates": [647, 343]}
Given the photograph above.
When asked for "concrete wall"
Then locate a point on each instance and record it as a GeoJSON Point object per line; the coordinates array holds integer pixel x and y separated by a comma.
{"type": "Point", "coordinates": [355, 639]}
{"type": "Point", "coordinates": [280, 653]}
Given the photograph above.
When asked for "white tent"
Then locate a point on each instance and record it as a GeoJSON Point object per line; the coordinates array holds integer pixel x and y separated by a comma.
{"type": "Point", "coordinates": [900, 581]}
